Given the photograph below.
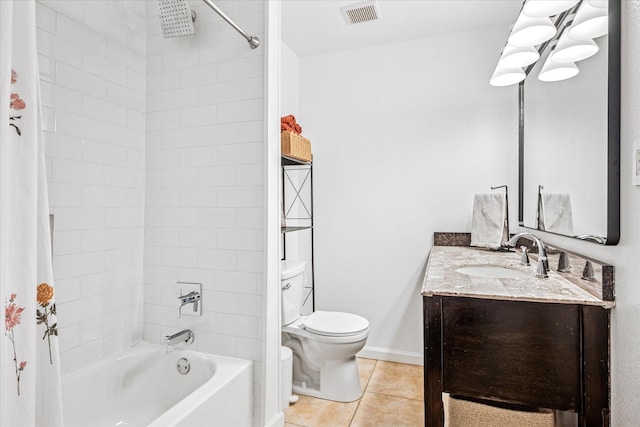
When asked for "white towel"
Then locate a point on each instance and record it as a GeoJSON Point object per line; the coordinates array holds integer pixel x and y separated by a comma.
{"type": "Point", "coordinates": [489, 227]}
{"type": "Point", "coordinates": [554, 213]}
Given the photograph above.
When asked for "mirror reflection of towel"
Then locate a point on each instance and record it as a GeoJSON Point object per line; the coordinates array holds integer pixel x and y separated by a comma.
{"type": "Point", "coordinates": [554, 213]}
{"type": "Point", "coordinates": [489, 220]}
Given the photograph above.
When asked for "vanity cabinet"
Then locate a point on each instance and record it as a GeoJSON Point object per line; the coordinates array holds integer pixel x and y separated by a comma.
{"type": "Point", "coordinates": [540, 355]}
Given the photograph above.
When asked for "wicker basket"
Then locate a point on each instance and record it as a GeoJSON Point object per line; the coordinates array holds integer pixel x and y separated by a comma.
{"type": "Point", "coordinates": [463, 413]}
{"type": "Point", "coordinates": [296, 146]}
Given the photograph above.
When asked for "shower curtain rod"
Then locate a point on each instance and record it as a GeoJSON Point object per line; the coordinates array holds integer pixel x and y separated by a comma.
{"type": "Point", "coordinates": [254, 42]}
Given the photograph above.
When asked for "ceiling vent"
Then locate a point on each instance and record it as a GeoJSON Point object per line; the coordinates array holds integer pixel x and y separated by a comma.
{"type": "Point", "coordinates": [361, 12]}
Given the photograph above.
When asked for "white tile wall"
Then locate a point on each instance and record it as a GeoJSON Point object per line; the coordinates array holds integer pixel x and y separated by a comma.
{"type": "Point", "coordinates": [155, 162]}
{"type": "Point", "coordinates": [92, 66]}
{"type": "Point", "coordinates": [204, 188]}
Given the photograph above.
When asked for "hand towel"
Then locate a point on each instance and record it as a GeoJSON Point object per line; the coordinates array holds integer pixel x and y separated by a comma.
{"type": "Point", "coordinates": [489, 228]}
{"type": "Point", "coordinates": [554, 213]}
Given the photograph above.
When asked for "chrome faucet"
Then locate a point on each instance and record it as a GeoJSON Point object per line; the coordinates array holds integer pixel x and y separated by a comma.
{"type": "Point", "coordinates": [186, 335]}
{"type": "Point", "coordinates": [191, 298]}
{"type": "Point", "coordinates": [543, 260]}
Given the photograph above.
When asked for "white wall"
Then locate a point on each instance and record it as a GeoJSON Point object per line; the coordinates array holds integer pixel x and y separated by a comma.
{"type": "Point", "coordinates": [403, 135]}
{"type": "Point", "coordinates": [205, 209]}
{"type": "Point", "coordinates": [92, 72]}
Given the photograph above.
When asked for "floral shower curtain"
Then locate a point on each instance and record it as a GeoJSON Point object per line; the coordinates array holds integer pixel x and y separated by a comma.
{"type": "Point", "coordinates": [30, 393]}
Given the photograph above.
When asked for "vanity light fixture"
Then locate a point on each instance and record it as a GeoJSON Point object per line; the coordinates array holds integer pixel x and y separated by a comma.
{"type": "Point", "coordinates": [584, 20]}
{"type": "Point", "coordinates": [544, 8]}
{"type": "Point", "coordinates": [592, 20]}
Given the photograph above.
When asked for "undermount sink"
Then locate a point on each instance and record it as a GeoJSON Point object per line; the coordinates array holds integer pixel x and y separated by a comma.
{"type": "Point", "coordinates": [492, 271]}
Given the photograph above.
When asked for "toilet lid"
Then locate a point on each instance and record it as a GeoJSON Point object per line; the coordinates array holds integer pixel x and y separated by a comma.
{"type": "Point", "coordinates": [335, 323]}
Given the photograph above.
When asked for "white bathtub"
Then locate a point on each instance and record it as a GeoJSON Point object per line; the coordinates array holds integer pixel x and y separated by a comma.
{"type": "Point", "coordinates": [142, 387]}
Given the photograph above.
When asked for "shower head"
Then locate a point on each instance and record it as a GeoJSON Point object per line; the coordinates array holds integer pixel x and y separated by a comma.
{"type": "Point", "coordinates": [176, 18]}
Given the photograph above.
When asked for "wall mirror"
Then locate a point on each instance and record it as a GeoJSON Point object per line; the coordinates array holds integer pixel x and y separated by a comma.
{"type": "Point", "coordinates": [569, 158]}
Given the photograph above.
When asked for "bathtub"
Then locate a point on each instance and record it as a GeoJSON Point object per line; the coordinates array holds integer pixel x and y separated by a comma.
{"type": "Point", "coordinates": [142, 387]}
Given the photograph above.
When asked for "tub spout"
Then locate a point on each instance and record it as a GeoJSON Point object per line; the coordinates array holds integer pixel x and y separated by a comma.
{"type": "Point", "coordinates": [186, 335]}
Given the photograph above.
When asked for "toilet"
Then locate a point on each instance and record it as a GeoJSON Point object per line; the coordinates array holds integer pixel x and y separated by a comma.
{"type": "Point", "coordinates": [324, 343]}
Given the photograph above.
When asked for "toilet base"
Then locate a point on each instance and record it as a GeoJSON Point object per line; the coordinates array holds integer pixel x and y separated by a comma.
{"type": "Point", "coordinates": [339, 381]}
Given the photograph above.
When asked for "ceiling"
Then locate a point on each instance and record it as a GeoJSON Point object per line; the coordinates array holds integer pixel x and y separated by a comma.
{"type": "Point", "coordinates": [311, 27]}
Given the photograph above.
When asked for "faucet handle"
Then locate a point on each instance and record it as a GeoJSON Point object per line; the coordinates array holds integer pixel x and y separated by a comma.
{"type": "Point", "coordinates": [525, 256]}
{"type": "Point", "coordinates": [587, 272]}
{"type": "Point", "coordinates": [564, 263]}
{"type": "Point", "coordinates": [542, 271]}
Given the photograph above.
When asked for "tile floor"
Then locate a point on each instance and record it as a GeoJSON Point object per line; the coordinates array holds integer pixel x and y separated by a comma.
{"type": "Point", "coordinates": [393, 397]}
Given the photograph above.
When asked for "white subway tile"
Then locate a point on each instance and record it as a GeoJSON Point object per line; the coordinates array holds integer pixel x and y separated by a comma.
{"type": "Point", "coordinates": [250, 349]}
{"type": "Point", "coordinates": [225, 50]}
{"type": "Point", "coordinates": [251, 218]}
{"type": "Point", "coordinates": [250, 305]}
{"type": "Point", "coordinates": [62, 146]}
{"type": "Point", "coordinates": [220, 302]}
{"type": "Point", "coordinates": [217, 134]}
{"type": "Point", "coordinates": [198, 197]}
{"type": "Point", "coordinates": [180, 177]}
{"type": "Point", "coordinates": [239, 239]}
{"type": "Point", "coordinates": [178, 138]}
{"type": "Point", "coordinates": [81, 356]}
{"type": "Point", "coordinates": [251, 261]}
{"type": "Point", "coordinates": [251, 174]}
{"type": "Point", "coordinates": [70, 218]}
{"type": "Point", "coordinates": [198, 116]}
{"type": "Point", "coordinates": [239, 197]}
{"type": "Point", "coordinates": [67, 290]}
{"type": "Point", "coordinates": [204, 238]}
{"type": "Point", "coordinates": [163, 236]}
{"type": "Point", "coordinates": [108, 70]}
{"type": "Point", "coordinates": [73, 171]}
{"type": "Point", "coordinates": [122, 135]}
{"type": "Point", "coordinates": [199, 76]}
{"type": "Point", "coordinates": [66, 242]}
{"type": "Point", "coordinates": [159, 120]}
{"type": "Point", "coordinates": [179, 59]}
{"type": "Point", "coordinates": [238, 154]}
{"type": "Point", "coordinates": [223, 345]}
{"type": "Point", "coordinates": [177, 217]}
{"type": "Point", "coordinates": [47, 68]}
{"type": "Point", "coordinates": [198, 156]}
{"type": "Point", "coordinates": [79, 80]}
{"type": "Point", "coordinates": [239, 326]}
{"type": "Point", "coordinates": [217, 176]}
{"type": "Point", "coordinates": [65, 195]}
{"type": "Point", "coordinates": [80, 127]}
{"type": "Point", "coordinates": [218, 93]}
{"type": "Point", "coordinates": [78, 264]}
{"type": "Point", "coordinates": [124, 177]}
{"type": "Point", "coordinates": [217, 259]}
{"type": "Point", "coordinates": [241, 111]}
{"type": "Point", "coordinates": [81, 35]}
{"type": "Point", "coordinates": [180, 257]}
{"type": "Point", "coordinates": [102, 110]}
{"type": "Point", "coordinates": [102, 153]}
{"type": "Point", "coordinates": [217, 217]}
{"type": "Point", "coordinates": [69, 337]}
{"type": "Point", "coordinates": [70, 8]}
{"type": "Point", "coordinates": [238, 282]}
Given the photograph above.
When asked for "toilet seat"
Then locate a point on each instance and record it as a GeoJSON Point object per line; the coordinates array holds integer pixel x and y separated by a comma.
{"type": "Point", "coordinates": [335, 324]}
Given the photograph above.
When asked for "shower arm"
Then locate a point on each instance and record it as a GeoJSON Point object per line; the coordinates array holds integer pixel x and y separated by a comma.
{"type": "Point", "coordinates": [254, 42]}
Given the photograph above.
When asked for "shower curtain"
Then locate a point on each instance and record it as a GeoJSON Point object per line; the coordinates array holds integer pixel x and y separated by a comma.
{"type": "Point", "coordinates": [30, 393]}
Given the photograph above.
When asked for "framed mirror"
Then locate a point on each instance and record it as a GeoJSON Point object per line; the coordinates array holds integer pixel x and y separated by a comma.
{"type": "Point", "coordinates": [569, 135]}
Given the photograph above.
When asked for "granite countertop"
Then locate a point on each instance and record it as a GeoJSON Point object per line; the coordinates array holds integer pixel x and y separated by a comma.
{"type": "Point", "coordinates": [441, 278]}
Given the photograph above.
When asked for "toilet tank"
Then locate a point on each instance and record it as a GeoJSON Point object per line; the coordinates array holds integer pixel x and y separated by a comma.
{"type": "Point", "coordinates": [292, 281]}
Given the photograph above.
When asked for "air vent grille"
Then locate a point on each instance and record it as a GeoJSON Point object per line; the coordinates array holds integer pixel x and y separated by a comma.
{"type": "Point", "coordinates": [361, 12]}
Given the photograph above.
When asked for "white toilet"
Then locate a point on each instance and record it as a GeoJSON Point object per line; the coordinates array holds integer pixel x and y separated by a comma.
{"type": "Point", "coordinates": [324, 343]}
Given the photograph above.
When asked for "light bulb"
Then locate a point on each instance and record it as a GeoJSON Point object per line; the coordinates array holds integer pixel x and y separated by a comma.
{"type": "Point", "coordinates": [531, 31]}
{"type": "Point", "coordinates": [514, 57]}
{"type": "Point", "coordinates": [569, 50]}
{"type": "Point", "coordinates": [507, 76]}
{"type": "Point", "coordinates": [556, 71]}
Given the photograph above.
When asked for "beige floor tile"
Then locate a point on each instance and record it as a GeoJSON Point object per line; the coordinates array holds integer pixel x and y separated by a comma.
{"type": "Point", "coordinates": [379, 410]}
{"type": "Point", "coordinates": [365, 369]}
{"type": "Point", "coordinates": [312, 412]}
{"type": "Point", "coordinates": [397, 379]}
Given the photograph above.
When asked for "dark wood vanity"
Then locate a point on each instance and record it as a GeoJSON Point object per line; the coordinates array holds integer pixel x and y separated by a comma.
{"type": "Point", "coordinates": [533, 354]}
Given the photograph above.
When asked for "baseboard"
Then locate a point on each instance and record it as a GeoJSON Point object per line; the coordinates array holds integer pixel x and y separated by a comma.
{"type": "Point", "coordinates": [392, 355]}
{"type": "Point", "coordinates": [276, 421]}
